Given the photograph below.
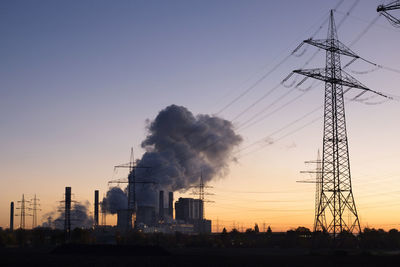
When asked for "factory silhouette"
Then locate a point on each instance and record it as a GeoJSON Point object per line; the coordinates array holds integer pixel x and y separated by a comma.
{"type": "Point", "coordinates": [188, 217]}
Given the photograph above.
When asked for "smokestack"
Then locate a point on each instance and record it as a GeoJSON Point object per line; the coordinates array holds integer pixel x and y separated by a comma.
{"type": "Point", "coordinates": [161, 205]}
{"type": "Point", "coordinates": [96, 207]}
{"type": "Point", "coordinates": [12, 216]}
{"type": "Point", "coordinates": [170, 203]}
{"type": "Point", "coordinates": [67, 213]}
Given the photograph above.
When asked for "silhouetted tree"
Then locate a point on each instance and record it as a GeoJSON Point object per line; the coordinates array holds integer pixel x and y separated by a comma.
{"type": "Point", "coordinates": [249, 231]}
{"type": "Point", "coordinates": [256, 229]}
{"type": "Point", "coordinates": [304, 231]}
{"type": "Point", "coordinates": [234, 231]}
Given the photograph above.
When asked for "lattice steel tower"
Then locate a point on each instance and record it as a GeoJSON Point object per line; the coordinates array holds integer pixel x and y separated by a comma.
{"type": "Point", "coordinates": [319, 216]}
{"type": "Point", "coordinates": [132, 183]}
{"type": "Point", "coordinates": [35, 208]}
{"type": "Point", "coordinates": [22, 207]}
{"type": "Point", "coordinates": [336, 199]}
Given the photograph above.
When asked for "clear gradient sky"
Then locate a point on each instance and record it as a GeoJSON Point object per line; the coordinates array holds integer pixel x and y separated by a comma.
{"type": "Point", "coordinates": [78, 79]}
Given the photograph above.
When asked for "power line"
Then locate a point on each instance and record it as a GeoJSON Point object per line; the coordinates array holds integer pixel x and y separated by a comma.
{"type": "Point", "coordinates": [284, 127]}
{"type": "Point", "coordinates": [275, 67]}
{"type": "Point", "coordinates": [269, 92]}
{"type": "Point", "coordinates": [253, 85]}
{"type": "Point", "coordinates": [249, 123]}
{"type": "Point", "coordinates": [286, 104]}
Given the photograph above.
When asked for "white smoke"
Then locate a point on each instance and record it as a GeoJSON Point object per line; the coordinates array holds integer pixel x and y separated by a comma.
{"type": "Point", "coordinates": [179, 148]}
{"type": "Point", "coordinates": [80, 217]}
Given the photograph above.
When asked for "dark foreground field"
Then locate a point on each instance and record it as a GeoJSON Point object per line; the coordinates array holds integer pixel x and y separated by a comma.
{"type": "Point", "coordinates": [104, 255]}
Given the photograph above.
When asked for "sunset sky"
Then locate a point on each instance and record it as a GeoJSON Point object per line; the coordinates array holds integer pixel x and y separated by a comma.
{"type": "Point", "coordinates": [79, 79]}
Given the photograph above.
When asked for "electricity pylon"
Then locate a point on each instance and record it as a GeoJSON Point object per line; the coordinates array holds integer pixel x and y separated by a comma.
{"type": "Point", "coordinates": [132, 183]}
{"type": "Point", "coordinates": [22, 211]}
{"type": "Point", "coordinates": [383, 9]}
{"type": "Point", "coordinates": [201, 193]}
{"type": "Point", "coordinates": [35, 208]}
{"type": "Point", "coordinates": [318, 188]}
{"type": "Point", "coordinates": [336, 202]}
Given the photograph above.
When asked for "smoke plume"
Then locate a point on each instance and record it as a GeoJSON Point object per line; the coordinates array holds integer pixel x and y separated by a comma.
{"type": "Point", "coordinates": [80, 217]}
{"type": "Point", "coordinates": [115, 200]}
{"type": "Point", "coordinates": [179, 148]}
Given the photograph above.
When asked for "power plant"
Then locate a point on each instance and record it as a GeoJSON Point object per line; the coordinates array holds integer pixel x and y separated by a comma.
{"type": "Point", "coordinates": [188, 217]}
{"type": "Point", "coordinates": [141, 206]}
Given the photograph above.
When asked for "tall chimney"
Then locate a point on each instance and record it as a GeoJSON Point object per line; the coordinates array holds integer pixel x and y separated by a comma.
{"type": "Point", "coordinates": [96, 207]}
{"type": "Point", "coordinates": [67, 213]}
{"type": "Point", "coordinates": [161, 205]}
{"type": "Point", "coordinates": [170, 203]}
{"type": "Point", "coordinates": [12, 216]}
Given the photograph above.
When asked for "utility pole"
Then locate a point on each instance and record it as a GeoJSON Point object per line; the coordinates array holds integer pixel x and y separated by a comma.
{"type": "Point", "coordinates": [383, 9]}
{"type": "Point", "coordinates": [336, 197]}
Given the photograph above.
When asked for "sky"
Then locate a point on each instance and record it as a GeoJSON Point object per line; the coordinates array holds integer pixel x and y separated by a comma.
{"type": "Point", "coordinates": [80, 79]}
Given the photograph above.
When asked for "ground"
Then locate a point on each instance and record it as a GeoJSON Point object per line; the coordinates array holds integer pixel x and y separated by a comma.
{"type": "Point", "coordinates": [116, 256]}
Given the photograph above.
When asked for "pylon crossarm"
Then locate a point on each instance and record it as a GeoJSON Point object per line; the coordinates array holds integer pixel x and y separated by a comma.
{"type": "Point", "coordinates": [391, 6]}
{"type": "Point", "coordinates": [338, 46]}
{"type": "Point", "coordinates": [392, 19]}
{"type": "Point", "coordinates": [350, 81]}
{"type": "Point", "coordinates": [346, 80]}
{"type": "Point", "coordinates": [382, 9]}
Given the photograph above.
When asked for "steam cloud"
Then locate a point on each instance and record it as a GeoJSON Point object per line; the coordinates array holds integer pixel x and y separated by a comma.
{"type": "Point", "coordinates": [179, 148]}
{"type": "Point", "coordinates": [79, 217]}
{"type": "Point", "coordinates": [115, 200]}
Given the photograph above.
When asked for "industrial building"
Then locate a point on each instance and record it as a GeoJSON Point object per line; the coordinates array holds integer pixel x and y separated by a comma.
{"type": "Point", "coordinates": [191, 211]}
{"type": "Point", "coordinates": [189, 216]}
{"type": "Point", "coordinates": [188, 209]}
{"type": "Point", "coordinates": [123, 218]}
